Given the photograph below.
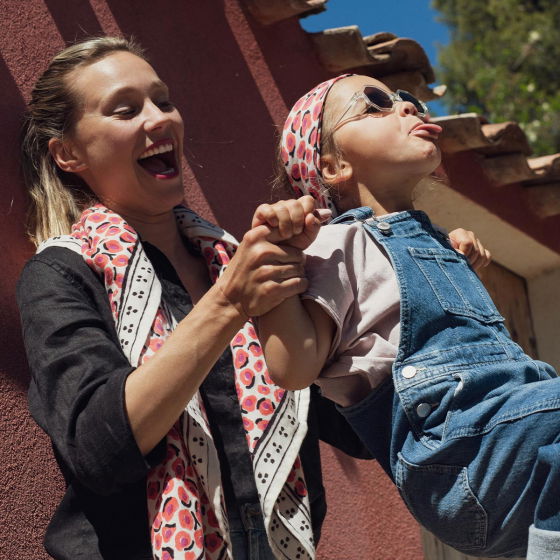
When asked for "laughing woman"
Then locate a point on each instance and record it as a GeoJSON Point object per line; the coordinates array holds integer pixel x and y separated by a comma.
{"type": "Point", "coordinates": [146, 373]}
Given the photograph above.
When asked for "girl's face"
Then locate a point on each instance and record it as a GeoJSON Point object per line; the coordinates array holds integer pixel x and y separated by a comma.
{"type": "Point", "coordinates": [128, 137]}
{"type": "Point", "coordinates": [384, 149]}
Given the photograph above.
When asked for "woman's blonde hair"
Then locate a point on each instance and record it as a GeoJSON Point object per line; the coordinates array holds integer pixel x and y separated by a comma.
{"type": "Point", "coordinates": [57, 197]}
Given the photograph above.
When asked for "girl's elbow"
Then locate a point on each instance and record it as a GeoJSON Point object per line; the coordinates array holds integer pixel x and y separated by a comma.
{"type": "Point", "coordinates": [291, 382]}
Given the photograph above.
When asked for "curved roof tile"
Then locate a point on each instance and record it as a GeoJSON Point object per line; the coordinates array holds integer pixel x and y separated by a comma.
{"type": "Point", "coordinates": [272, 11]}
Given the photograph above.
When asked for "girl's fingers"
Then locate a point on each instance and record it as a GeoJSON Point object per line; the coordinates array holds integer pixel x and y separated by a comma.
{"type": "Point", "coordinates": [323, 214]}
{"type": "Point", "coordinates": [307, 202]}
{"type": "Point", "coordinates": [286, 215]}
{"type": "Point", "coordinates": [296, 218]}
{"type": "Point", "coordinates": [487, 257]}
{"type": "Point", "coordinates": [264, 214]}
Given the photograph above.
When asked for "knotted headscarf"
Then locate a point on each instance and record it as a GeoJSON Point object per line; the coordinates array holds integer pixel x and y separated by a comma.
{"type": "Point", "coordinates": [301, 144]}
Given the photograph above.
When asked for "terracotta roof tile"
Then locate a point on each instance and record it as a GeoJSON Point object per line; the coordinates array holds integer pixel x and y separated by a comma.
{"type": "Point", "coordinates": [507, 169]}
{"type": "Point", "coordinates": [272, 11]}
{"type": "Point", "coordinates": [544, 200]}
{"type": "Point", "coordinates": [398, 62]}
{"type": "Point", "coordinates": [505, 149]}
{"type": "Point", "coordinates": [469, 131]}
{"type": "Point", "coordinates": [546, 167]}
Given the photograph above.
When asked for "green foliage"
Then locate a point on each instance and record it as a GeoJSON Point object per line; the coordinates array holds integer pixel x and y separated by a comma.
{"type": "Point", "coordinates": [503, 62]}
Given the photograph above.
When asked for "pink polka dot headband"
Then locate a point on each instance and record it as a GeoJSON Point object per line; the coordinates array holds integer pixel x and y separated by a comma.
{"type": "Point", "coordinates": [301, 144]}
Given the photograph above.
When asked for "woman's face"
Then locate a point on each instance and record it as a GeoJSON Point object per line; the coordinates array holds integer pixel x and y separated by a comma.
{"type": "Point", "coordinates": [128, 136]}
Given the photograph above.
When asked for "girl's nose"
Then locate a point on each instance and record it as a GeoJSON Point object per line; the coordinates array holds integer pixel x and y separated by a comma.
{"type": "Point", "coordinates": [406, 108]}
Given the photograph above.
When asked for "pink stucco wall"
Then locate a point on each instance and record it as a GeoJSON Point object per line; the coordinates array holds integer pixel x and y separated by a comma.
{"type": "Point", "coordinates": [233, 80]}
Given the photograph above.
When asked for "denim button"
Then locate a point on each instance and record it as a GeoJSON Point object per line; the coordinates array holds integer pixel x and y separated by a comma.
{"type": "Point", "coordinates": [408, 371]}
{"type": "Point", "coordinates": [423, 409]}
{"type": "Point", "coordinates": [383, 226]}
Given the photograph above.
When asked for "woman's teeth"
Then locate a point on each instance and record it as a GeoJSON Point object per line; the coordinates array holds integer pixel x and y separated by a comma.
{"type": "Point", "coordinates": [159, 161]}
{"type": "Point", "coordinates": [162, 149]}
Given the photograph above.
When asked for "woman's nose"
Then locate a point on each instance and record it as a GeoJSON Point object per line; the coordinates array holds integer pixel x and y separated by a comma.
{"type": "Point", "coordinates": [155, 117]}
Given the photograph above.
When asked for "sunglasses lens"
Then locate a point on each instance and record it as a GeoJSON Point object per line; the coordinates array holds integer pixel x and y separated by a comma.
{"type": "Point", "coordinates": [378, 97]}
{"type": "Point", "coordinates": [405, 96]}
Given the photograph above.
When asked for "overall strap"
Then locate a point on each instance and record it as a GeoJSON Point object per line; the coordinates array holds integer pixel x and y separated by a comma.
{"type": "Point", "coordinates": [354, 215]}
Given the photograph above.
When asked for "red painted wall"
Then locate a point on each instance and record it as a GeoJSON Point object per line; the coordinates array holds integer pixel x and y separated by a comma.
{"type": "Point", "coordinates": [233, 80]}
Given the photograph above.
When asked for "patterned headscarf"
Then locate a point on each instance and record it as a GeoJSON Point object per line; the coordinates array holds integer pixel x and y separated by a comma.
{"type": "Point", "coordinates": [301, 144]}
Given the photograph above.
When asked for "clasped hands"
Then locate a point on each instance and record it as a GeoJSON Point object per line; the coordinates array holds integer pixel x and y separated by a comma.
{"type": "Point", "coordinates": [268, 266]}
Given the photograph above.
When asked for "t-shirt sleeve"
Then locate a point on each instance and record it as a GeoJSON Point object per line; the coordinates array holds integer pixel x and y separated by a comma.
{"type": "Point", "coordinates": [78, 376]}
{"type": "Point", "coordinates": [330, 266]}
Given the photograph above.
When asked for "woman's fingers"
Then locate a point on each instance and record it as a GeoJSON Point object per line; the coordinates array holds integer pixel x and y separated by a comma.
{"type": "Point", "coordinates": [262, 274]}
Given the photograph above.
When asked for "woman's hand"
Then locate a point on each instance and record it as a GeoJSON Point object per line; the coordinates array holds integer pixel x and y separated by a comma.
{"type": "Point", "coordinates": [262, 273]}
{"type": "Point", "coordinates": [293, 222]}
{"type": "Point", "coordinates": [466, 243]}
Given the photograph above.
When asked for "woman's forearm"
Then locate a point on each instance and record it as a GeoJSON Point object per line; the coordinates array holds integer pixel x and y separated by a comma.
{"type": "Point", "coordinates": [157, 391]}
{"type": "Point", "coordinates": [259, 277]}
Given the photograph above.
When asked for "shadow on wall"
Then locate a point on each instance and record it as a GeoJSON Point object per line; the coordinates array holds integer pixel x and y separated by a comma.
{"type": "Point", "coordinates": [15, 248]}
{"type": "Point", "coordinates": [74, 20]}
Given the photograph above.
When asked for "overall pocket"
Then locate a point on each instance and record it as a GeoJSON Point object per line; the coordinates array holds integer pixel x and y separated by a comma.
{"type": "Point", "coordinates": [441, 499]}
{"type": "Point", "coordinates": [457, 288]}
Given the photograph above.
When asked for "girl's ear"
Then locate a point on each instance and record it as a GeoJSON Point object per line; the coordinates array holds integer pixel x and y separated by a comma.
{"type": "Point", "coordinates": [335, 170]}
{"type": "Point", "coordinates": [65, 157]}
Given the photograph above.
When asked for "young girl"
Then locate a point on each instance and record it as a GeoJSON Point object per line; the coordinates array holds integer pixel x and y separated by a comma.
{"type": "Point", "coordinates": [398, 330]}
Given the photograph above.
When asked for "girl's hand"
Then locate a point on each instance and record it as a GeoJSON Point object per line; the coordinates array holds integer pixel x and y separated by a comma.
{"type": "Point", "coordinates": [262, 274]}
{"type": "Point", "coordinates": [293, 222]}
{"type": "Point", "coordinates": [466, 243]}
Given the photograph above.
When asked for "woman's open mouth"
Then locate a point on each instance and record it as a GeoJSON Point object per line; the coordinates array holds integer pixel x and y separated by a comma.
{"type": "Point", "coordinates": [159, 160]}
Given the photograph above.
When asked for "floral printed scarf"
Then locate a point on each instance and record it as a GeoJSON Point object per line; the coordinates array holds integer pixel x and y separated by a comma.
{"type": "Point", "coordinates": [185, 502]}
{"type": "Point", "coordinates": [301, 144]}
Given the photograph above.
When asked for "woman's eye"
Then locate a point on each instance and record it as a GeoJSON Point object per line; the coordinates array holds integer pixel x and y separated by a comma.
{"type": "Point", "coordinates": [166, 105]}
{"type": "Point", "coordinates": [124, 111]}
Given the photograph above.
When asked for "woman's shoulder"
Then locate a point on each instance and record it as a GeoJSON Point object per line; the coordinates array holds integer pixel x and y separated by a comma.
{"type": "Point", "coordinates": [52, 268]}
{"type": "Point", "coordinates": [60, 259]}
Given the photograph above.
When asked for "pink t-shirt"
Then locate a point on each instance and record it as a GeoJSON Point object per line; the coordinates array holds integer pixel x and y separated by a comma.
{"type": "Point", "coordinates": [351, 278]}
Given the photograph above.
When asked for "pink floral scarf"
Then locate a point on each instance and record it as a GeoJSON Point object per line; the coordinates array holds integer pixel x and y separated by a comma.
{"type": "Point", "coordinates": [185, 501]}
{"type": "Point", "coordinates": [301, 144]}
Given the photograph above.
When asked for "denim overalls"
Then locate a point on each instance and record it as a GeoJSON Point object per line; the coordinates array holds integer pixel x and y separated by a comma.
{"type": "Point", "coordinates": [469, 428]}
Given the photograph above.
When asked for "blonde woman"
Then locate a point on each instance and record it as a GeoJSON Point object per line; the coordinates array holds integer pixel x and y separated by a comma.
{"type": "Point", "coordinates": [146, 372]}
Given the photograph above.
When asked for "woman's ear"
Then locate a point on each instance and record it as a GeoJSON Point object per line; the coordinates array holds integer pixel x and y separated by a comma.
{"type": "Point", "coordinates": [65, 157]}
{"type": "Point", "coordinates": [335, 170]}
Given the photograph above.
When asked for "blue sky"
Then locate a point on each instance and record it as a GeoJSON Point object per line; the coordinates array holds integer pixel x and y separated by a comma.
{"type": "Point", "coordinates": [405, 18]}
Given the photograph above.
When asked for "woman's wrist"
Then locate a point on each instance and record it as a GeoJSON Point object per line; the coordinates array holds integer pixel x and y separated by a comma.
{"type": "Point", "coordinates": [225, 298]}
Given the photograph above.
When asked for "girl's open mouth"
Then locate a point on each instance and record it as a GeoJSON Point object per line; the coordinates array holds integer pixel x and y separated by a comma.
{"type": "Point", "coordinates": [159, 160]}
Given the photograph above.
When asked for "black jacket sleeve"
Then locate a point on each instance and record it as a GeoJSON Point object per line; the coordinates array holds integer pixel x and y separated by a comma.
{"type": "Point", "coordinates": [332, 427]}
{"type": "Point", "coordinates": [78, 372]}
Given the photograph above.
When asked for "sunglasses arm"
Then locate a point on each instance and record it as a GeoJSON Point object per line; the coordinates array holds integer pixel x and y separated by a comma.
{"type": "Point", "coordinates": [352, 101]}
